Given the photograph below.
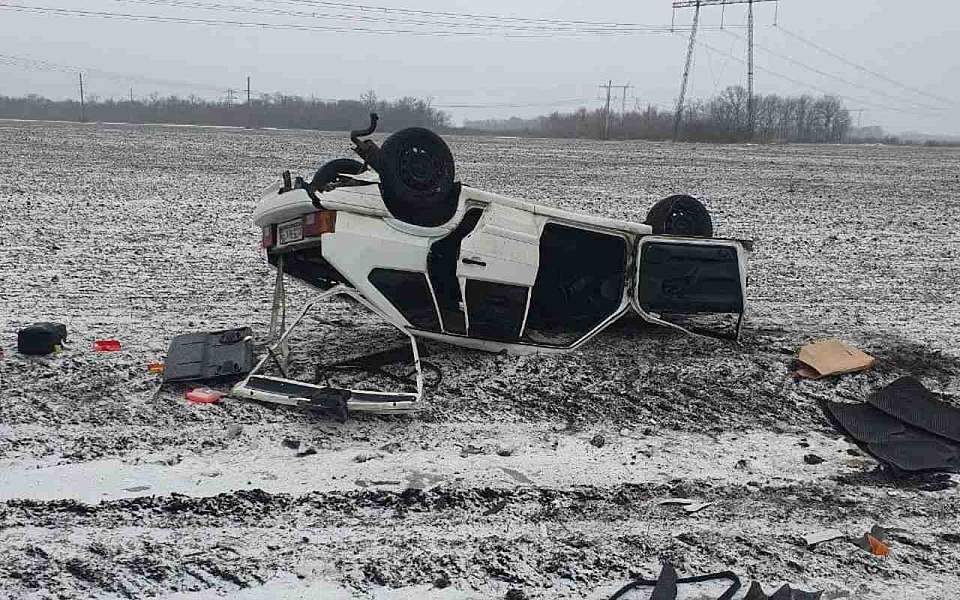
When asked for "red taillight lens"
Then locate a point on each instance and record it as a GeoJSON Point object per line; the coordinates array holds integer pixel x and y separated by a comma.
{"type": "Point", "coordinates": [266, 239]}
{"type": "Point", "coordinates": [316, 223]}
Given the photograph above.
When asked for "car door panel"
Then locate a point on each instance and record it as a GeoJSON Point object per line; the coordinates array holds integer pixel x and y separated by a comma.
{"type": "Point", "coordinates": [498, 266]}
{"type": "Point", "coordinates": [689, 276]}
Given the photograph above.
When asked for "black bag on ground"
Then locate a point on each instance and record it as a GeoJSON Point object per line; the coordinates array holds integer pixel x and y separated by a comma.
{"type": "Point", "coordinates": [41, 338]}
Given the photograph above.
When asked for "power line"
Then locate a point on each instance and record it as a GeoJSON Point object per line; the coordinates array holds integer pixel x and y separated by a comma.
{"type": "Point", "coordinates": [810, 85]}
{"type": "Point", "coordinates": [847, 61]}
{"type": "Point", "coordinates": [836, 77]}
{"type": "Point", "coordinates": [516, 105]}
{"type": "Point", "coordinates": [532, 33]}
{"type": "Point", "coordinates": [458, 15]}
{"type": "Point", "coordinates": [35, 64]}
{"type": "Point", "coordinates": [362, 16]}
{"type": "Point", "coordinates": [231, 93]}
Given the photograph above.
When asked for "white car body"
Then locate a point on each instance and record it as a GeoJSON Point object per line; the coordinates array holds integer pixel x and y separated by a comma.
{"type": "Point", "coordinates": [501, 254]}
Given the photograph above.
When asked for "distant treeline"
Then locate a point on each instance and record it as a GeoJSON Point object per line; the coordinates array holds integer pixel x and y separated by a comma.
{"type": "Point", "coordinates": [269, 110]}
{"type": "Point", "coordinates": [723, 118]}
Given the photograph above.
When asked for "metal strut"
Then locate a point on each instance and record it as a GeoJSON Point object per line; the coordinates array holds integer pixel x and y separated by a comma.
{"type": "Point", "coordinates": [296, 393]}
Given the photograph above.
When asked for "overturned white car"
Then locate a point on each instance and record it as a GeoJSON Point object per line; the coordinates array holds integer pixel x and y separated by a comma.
{"type": "Point", "coordinates": [444, 261]}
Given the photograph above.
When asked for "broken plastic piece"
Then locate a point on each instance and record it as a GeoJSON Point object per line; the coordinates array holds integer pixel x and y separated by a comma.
{"type": "Point", "coordinates": [681, 501]}
{"type": "Point", "coordinates": [784, 593]}
{"type": "Point", "coordinates": [831, 357]}
{"type": "Point", "coordinates": [155, 367]}
{"type": "Point", "coordinates": [874, 541]}
{"type": "Point", "coordinates": [877, 548]}
{"type": "Point", "coordinates": [873, 545]}
{"type": "Point", "coordinates": [203, 396]}
{"type": "Point", "coordinates": [106, 346]}
{"type": "Point", "coordinates": [694, 508]}
{"type": "Point", "coordinates": [819, 537]}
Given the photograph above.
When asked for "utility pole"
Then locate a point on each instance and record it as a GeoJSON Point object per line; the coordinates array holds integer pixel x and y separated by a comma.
{"type": "Point", "coordinates": [131, 106]}
{"type": "Point", "coordinates": [83, 112]}
{"type": "Point", "coordinates": [696, 4]}
{"type": "Point", "coordinates": [605, 124]}
{"type": "Point", "coordinates": [751, 109]}
{"type": "Point", "coordinates": [623, 105]}
{"type": "Point", "coordinates": [686, 69]}
{"type": "Point", "coordinates": [859, 112]}
{"type": "Point", "coordinates": [249, 106]}
{"type": "Point", "coordinates": [231, 96]}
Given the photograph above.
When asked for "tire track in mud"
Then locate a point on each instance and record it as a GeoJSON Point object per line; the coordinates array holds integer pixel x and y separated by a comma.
{"type": "Point", "coordinates": [525, 537]}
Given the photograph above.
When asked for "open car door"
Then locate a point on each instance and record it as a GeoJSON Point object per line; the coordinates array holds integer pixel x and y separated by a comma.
{"type": "Point", "coordinates": [678, 275]}
{"type": "Point", "coordinates": [497, 269]}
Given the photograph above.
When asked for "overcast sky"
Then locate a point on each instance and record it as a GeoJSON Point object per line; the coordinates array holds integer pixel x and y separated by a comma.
{"type": "Point", "coordinates": [914, 45]}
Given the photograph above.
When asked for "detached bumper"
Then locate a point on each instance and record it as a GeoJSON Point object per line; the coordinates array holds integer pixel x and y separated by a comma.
{"type": "Point", "coordinates": [313, 397]}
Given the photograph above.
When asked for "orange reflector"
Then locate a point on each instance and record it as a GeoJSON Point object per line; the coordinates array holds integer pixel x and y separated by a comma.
{"type": "Point", "coordinates": [316, 223]}
{"type": "Point", "coordinates": [155, 367]}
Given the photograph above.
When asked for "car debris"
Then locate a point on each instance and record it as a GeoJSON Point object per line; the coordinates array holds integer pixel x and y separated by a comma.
{"type": "Point", "coordinates": [665, 586]}
{"type": "Point", "coordinates": [874, 541]}
{"type": "Point", "coordinates": [41, 338]}
{"type": "Point", "coordinates": [209, 355]}
{"type": "Point", "coordinates": [695, 508]}
{"type": "Point", "coordinates": [904, 426]}
{"type": "Point", "coordinates": [785, 592]}
{"type": "Point", "coordinates": [679, 501]}
{"type": "Point", "coordinates": [440, 260]}
{"type": "Point", "coordinates": [203, 396]}
{"type": "Point", "coordinates": [106, 346]}
{"type": "Point", "coordinates": [830, 357]}
{"type": "Point", "coordinates": [815, 538]}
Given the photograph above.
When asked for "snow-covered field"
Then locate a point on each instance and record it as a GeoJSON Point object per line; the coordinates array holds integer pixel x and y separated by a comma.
{"type": "Point", "coordinates": [109, 489]}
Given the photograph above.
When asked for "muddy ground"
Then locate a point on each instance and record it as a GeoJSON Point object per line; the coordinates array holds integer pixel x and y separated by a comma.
{"type": "Point", "coordinates": [112, 489]}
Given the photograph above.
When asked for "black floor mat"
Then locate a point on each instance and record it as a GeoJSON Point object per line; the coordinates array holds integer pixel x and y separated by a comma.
{"type": "Point", "coordinates": [903, 446]}
{"type": "Point", "coordinates": [907, 400]}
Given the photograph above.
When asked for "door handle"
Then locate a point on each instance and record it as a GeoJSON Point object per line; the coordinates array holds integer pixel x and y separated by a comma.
{"type": "Point", "coordinates": [473, 261]}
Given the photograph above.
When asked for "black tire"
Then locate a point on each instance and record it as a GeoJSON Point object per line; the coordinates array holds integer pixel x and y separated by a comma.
{"type": "Point", "coordinates": [328, 172]}
{"type": "Point", "coordinates": [417, 177]}
{"type": "Point", "coordinates": [680, 215]}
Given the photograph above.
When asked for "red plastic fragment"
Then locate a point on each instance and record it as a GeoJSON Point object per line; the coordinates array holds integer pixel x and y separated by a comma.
{"type": "Point", "coordinates": [106, 346]}
{"type": "Point", "coordinates": [203, 396]}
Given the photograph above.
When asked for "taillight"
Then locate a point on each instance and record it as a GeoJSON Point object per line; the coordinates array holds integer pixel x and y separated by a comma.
{"type": "Point", "coordinates": [316, 223]}
{"type": "Point", "coordinates": [266, 239]}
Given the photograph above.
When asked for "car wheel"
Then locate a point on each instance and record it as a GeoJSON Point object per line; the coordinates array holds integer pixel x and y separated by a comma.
{"type": "Point", "coordinates": [680, 215]}
{"type": "Point", "coordinates": [328, 172]}
{"type": "Point", "coordinates": [417, 177]}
